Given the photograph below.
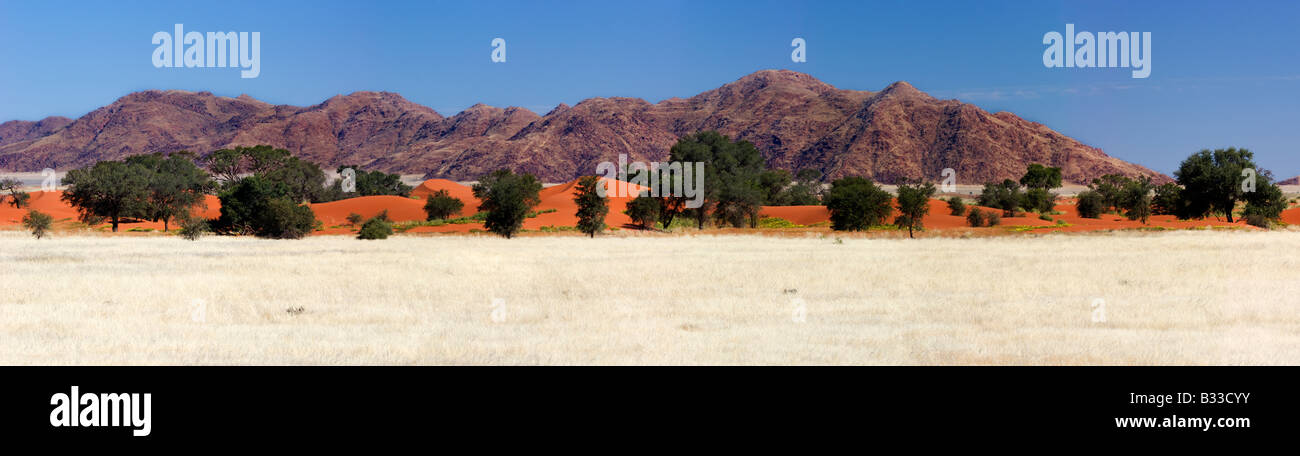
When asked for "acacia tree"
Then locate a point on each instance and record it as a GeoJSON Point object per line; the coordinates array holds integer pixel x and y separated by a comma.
{"type": "Point", "coordinates": [1215, 181]}
{"type": "Point", "coordinates": [592, 207]}
{"type": "Point", "coordinates": [18, 198]}
{"type": "Point", "coordinates": [856, 204]}
{"type": "Point", "coordinates": [913, 205]}
{"type": "Point", "coordinates": [506, 197]}
{"type": "Point", "coordinates": [176, 185]}
{"type": "Point", "coordinates": [111, 189]}
{"type": "Point", "coordinates": [644, 210]}
{"type": "Point", "coordinates": [732, 189]}
{"type": "Point", "coordinates": [1039, 181]}
{"type": "Point", "coordinates": [441, 205]}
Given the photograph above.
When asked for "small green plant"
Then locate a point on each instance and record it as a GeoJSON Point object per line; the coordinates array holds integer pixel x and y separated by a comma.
{"type": "Point", "coordinates": [975, 217]}
{"type": "Point", "coordinates": [193, 227]}
{"type": "Point", "coordinates": [777, 222]}
{"type": "Point", "coordinates": [993, 219]}
{"type": "Point", "coordinates": [956, 206]}
{"type": "Point", "coordinates": [376, 228]}
{"type": "Point", "coordinates": [38, 222]}
{"type": "Point", "coordinates": [355, 219]}
{"type": "Point", "coordinates": [1045, 217]}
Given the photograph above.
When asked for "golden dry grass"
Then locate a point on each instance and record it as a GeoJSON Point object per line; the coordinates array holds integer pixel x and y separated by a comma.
{"type": "Point", "coordinates": [1170, 298]}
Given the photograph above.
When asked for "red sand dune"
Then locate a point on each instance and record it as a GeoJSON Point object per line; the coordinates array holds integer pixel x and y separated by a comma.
{"type": "Point", "coordinates": [51, 203]}
{"type": "Point", "coordinates": [560, 199]}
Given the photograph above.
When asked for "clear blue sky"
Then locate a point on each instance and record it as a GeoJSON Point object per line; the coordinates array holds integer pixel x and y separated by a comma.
{"type": "Point", "coordinates": [1223, 73]}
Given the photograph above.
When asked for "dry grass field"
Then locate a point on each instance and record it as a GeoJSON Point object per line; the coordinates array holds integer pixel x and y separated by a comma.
{"type": "Point", "coordinates": [1182, 297]}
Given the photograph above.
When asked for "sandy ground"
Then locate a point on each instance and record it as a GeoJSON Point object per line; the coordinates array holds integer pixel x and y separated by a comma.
{"type": "Point", "coordinates": [1184, 297]}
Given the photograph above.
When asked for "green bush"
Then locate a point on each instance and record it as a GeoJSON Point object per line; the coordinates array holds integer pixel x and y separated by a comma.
{"type": "Point", "coordinates": [994, 219]}
{"type": "Point", "coordinates": [643, 210]}
{"type": "Point", "coordinates": [856, 204]}
{"type": "Point", "coordinates": [355, 219]}
{"type": "Point", "coordinates": [1045, 217]}
{"type": "Point", "coordinates": [376, 228]}
{"type": "Point", "coordinates": [38, 222]}
{"type": "Point", "coordinates": [1091, 204]}
{"type": "Point", "coordinates": [193, 227]}
{"type": "Point", "coordinates": [956, 206]}
{"type": "Point", "coordinates": [441, 205]}
{"type": "Point", "coordinates": [975, 217]}
{"type": "Point", "coordinates": [262, 207]}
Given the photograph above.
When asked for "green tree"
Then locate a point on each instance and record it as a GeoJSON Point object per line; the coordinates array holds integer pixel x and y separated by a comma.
{"type": "Point", "coordinates": [1135, 199]}
{"type": "Point", "coordinates": [1111, 189]}
{"type": "Point", "coordinates": [176, 185]}
{"type": "Point", "coordinates": [1168, 199]}
{"type": "Point", "coordinates": [108, 189]}
{"type": "Point", "coordinates": [441, 205]}
{"type": "Point", "coordinates": [592, 207]}
{"type": "Point", "coordinates": [774, 183]}
{"type": "Point", "coordinates": [732, 191]}
{"type": "Point", "coordinates": [644, 210]}
{"type": "Point", "coordinates": [1006, 196]}
{"type": "Point", "coordinates": [1264, 206]}
{"type": "Point", "coordinates": [507, 198]}
{"type": "Point", "coordinates": [1090, 204]}
{"type": "Point", "coordinates": [261, 207]}
{"type": "Point", "coordinates": [913, 205]}
{"type": "Point", "coordinates": [367, 183]}
{"type": "Point", "coordinates": [231, 165]}
{"type": "Point", "coordinates": [1215, 181]}
{"type": "Point", "coordinates": [1041, 177]}
{"type": "Point", "coordinates": [38, 222]}
{"type": "Point", "coordinates": [17, 197]}
{"type": "Point", "coordinates": [856, 204]}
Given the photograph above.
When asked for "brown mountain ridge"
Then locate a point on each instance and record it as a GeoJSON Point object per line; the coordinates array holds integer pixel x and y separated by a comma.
{"type": "Point", "coordinates": [795, 120]}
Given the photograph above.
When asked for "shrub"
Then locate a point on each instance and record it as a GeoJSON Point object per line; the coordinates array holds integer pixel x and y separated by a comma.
{"type": "Point", "coordinates": [975, 217]}
{"type": "Point", "coordinates": [1006, 196]}
{"type": "Point", "coordinates": [1038, 200]}
{"type": "Point", "coordinates": [441, 205]}
{"type": "Point", "coordinates": [1167, 200]}
{"type": "Point", "coordinates": [1091, 204]}
{"type": "Point", "coordinates": [956, 206]}
{"type": "Point", "coordinates": [994, 219]}
{"type": "Point", "coordinates": [1045, 217]}
{"type": "Point", "coordinates": [38, 222]}
{"type": "Point", "coordinates": [856, 204]}
{"type": "Point", "coordinates": [261, 207]}
{"type": "Point", "coordinates": [355, 219]}
{"type": "Point", "coordinates": [193, 227]}
{"type": "Point", "coordinates": [643, 210]}
{"type": "Point", "coordinates": [376, 228]}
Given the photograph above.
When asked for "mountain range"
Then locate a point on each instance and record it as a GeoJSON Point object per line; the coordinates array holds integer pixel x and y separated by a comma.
{"type": "Point", "coordinates": [795, 120]}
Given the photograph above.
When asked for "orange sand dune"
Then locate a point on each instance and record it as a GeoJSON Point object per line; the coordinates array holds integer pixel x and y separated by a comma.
{"type": "Point", "coordinates": [1291, 216]}
{"type": "Point", "coordinates": [560, 199]}
{"type": "Point", "coordinates": [462, 192]}
{"type": "Point", "coordinates": [400, 209]}
{"type": "Point", "coordinates": [51, 203]}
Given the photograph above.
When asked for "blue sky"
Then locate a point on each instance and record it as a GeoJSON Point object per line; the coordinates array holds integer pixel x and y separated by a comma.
{"type": "Point", "coordinates": [1223, 73]}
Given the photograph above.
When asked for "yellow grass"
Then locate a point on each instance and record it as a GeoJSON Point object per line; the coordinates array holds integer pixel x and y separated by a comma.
{"type": "Point", "coordinates": [1169, 298]}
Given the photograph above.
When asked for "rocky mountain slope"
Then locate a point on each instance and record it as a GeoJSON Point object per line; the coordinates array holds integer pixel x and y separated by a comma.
{"type": "Point", "coordinates": [796, 121]}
